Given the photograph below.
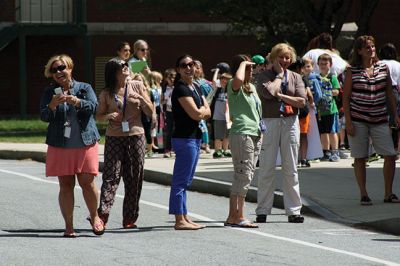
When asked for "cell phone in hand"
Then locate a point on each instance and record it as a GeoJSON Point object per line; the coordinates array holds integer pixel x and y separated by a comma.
{"type": "Point", "coordinates": [58, 90]}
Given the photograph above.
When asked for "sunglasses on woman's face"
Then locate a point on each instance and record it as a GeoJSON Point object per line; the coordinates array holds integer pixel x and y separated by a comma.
{"type": "Point", "coordinates": [58, 68]}
{"type": "Point", "coordinates": [124, 65]}
{"type": "Point", "coordinates": [185, 65]}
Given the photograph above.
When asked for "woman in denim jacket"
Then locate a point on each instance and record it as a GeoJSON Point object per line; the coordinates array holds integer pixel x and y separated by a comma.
{"type": "Point", "coordinates": [72, 138]}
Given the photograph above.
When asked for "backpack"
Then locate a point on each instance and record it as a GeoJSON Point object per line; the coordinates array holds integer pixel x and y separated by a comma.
{"type": "Point", "coordinates": [326, 101]}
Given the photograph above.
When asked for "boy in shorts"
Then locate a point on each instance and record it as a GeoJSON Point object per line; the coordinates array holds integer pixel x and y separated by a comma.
{"type": "Point", "coordinates": [220, 116]}
{"type": "Point", "coordinates": [328, 115]}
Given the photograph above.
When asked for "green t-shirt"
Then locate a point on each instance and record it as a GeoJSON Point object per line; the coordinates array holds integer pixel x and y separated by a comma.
{"type": "Point", "coordinates": [244, 110]}
{"type": "Point", "coordinates": [334, 82]}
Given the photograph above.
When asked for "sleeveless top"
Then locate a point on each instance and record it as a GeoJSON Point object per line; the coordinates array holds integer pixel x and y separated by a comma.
{"type": "Point", "coordinates": [368, 95]}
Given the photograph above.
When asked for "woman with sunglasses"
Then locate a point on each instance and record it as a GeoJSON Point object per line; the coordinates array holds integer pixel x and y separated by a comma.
{"type": "Point", "coordinates": [189, 107]}
{"type": "Point", "coordinates": [140, 54]}
{"type": "Point", "coordinates": [72, 138]}
{"type": "Point", "coordinates": [121, 103]}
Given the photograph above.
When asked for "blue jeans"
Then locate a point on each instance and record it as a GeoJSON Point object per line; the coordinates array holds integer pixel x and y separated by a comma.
{"type": "Point", "coordinates": [187, 154]}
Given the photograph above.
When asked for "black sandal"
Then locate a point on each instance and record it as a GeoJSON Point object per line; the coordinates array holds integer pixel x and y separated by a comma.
{"type": "Point", "coordinates": [296, 219]}
{"type": "Point", "coordinates": [392, 199]}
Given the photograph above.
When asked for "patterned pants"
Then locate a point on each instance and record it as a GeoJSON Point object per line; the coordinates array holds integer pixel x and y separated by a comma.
{"type": "Point", "coordinates": [123, 157]}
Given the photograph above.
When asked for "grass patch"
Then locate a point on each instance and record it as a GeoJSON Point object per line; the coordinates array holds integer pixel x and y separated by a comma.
{"type": "Point", "coordinates": [18, 125]}
{"type": "Point", "coordinates": [23, 139]}
{"type": "Point", "coordinates": [31, 130]}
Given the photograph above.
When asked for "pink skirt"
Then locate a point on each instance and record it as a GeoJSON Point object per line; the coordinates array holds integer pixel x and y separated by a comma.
{"type": "Point", "coordinates": [71, 161]}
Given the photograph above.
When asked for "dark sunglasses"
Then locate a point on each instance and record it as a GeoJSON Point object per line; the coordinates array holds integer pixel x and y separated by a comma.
{"type": "Point", "coordinates": [56, 69]}
{"type": "Point", "coordinates": [124, 65]}
{"type": "Point", "coordinates": [144, 49]}
{"type": "Point", "coordinates": [184, 65]}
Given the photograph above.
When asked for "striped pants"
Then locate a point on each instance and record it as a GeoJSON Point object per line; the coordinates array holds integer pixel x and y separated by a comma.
{"type": "Point", "coordinates": [123, 157]}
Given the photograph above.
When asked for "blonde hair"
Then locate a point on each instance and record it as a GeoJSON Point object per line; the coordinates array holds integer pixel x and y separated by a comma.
{"type": "Point", "coordinates": [66, 59]}
{"type": "Point", "coordinates": [283, 48]}
{"type": "Point", "coordinates": [308, 60]}
{"type": "Point", "coordinates": [140, 77]}
{"type": "Point", "coordinates": [155, 79]}
{"type": "Point", "coordinates": [138, 44]}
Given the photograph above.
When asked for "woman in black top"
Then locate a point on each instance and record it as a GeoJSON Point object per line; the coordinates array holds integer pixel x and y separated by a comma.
{"type": "Point", "coordinates": [188, 107]}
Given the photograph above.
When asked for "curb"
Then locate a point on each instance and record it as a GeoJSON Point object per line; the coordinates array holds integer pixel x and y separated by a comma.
{"type": "Point", "coordinates": [23, 155]}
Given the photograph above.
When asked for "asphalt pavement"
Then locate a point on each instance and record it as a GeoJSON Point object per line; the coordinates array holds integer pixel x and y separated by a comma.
{"type": "Point", "coordinates": [31, 228]}
{"type": "Point", "coordinates": [328, 189]}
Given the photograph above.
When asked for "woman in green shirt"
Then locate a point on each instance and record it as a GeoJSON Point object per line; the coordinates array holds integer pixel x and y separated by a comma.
{"type": "Point", "coordinates": [245, 137]}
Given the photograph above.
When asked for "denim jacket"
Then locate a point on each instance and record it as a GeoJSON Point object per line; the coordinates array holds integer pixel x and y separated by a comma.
{"type": "Point", "coordinates": [85, 115]}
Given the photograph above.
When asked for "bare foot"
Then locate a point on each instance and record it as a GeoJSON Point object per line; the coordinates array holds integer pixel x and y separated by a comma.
{"type": "Point", "coordinates": [185, 226]}
{"type": "Point", "coordinates": [193, 223]}
{"type": "Point", "coordinates": [70, 233]}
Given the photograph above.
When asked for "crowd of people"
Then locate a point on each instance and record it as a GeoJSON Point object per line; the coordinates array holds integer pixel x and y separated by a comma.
{"type": "Point", "coordinates": [274, 110]}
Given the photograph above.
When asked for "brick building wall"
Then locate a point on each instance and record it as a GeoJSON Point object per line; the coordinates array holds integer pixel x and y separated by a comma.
{"type": "Point", "coordinates": [164, 52]}
{"type": "Point", "coordinates": [210, 49]}
{"type": "Point", "coordinates": [39, 50]}
{"type": "Point", "coordinates": [7, 10]}
{"type": "Point", "coordinates": [384, 23]}
{"type": "Point", "coordinates": [126, 11]}
{"type": "Point", "coordinates": [9, 81]}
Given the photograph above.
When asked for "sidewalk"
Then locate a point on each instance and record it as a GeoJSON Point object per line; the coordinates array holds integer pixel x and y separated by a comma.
{"type": "Point", "coordinates": [328, 189]}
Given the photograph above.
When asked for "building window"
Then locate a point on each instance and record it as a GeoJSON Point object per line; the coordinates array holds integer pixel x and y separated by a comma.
{"type": "Point", "coordinates": [44, 11]}
{"type": "Point", "coordinates": [100, 63]}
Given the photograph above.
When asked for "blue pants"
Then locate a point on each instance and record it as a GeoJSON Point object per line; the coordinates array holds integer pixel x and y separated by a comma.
{"type": "Point", "coordinates": [187, 154]}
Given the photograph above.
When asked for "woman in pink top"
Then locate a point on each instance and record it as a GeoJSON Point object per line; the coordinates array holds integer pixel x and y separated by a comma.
{"type": "Point", "coordinates": [121, 104]}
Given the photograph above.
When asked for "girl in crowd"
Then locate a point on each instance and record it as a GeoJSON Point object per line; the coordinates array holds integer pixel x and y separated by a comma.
{"type": "Point", "coordinates": [155, 79]}
{"type": "Point", "coordinates": [123, 51]}
{"type": "Point", "coordinates": [206, 88]}
{"type": "Point", "coordinates": [148, 122]}
{"type": "Point", "coordinates": [121, 103]}
{"type": "Point", "coordinates": [189, 108]}
{"type": "Point", "coordinates": [245, 137]}
{"type": "Point", "coordinates": [367, 78]}
{"type": "Point", "coordinates": [72, 138]}
{"type": "Point", "coordinates": [169, 125]}
{"type": "Point", "coordinates": [282, 93]}
{"type": "Point", "coordinates": [304, 113]}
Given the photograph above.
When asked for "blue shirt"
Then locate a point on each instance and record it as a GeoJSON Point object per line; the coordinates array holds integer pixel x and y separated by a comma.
{"type": "Point", "coordinates": [84, 115]}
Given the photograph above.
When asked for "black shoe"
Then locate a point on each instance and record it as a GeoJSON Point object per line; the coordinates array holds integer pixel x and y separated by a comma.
{"type": "Point", "coordinates": [261, 218]}
{"type": "Point", "coordinates": [366, 201]}
{"type": "Point", "coordinates": [295, 219]}
{"type": "Point", "coordinates": [305, 163]}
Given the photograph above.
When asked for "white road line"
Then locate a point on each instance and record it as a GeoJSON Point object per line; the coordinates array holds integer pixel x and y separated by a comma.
{"type": "Point", "coordinates": [250, 231]}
